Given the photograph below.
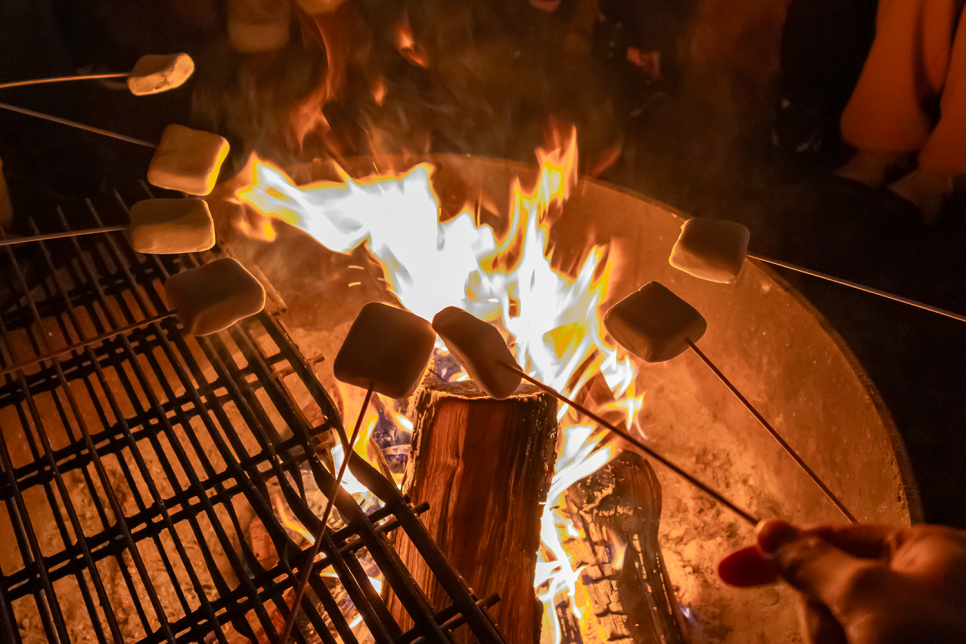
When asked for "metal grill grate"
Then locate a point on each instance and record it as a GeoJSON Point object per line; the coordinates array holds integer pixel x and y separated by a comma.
{"type": "Point", "coordinates": [135, 469]}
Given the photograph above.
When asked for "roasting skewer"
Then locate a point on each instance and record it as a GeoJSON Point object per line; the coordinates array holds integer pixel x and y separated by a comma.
{"type": "Point", "coordinates": [717, 496]}
{"type": "Point", "coordinates": [656, 325]}
{"type": "Point", "coordinates": [859, 287]}
{"type": "Point", "coordinates": [471, 341]}
{"type": "Point", "coordinates": [330, 502]}
{"type": "Point", "coordinates": [386, 351]}
{"type": "Point", "coordinates": [715, 251]}
{"type": "Point", "coordinates": [152, 74]}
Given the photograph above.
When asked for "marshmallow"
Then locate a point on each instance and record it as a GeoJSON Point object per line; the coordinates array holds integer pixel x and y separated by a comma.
{"type": "Point", "coordinates": [654, 324]}
{"type": "Point", "coordinates": [171, 226]}
{"type": "Point", "coordinates": [153, 74]}
{"type": "Point", "coordinates": [212, 297]}
{"type": "Point", "coordinates": [711, 250]}
{"type": "Point", "coordinates": [258, 25]}
{"type": "Point", "coordinates": [387, 348]}
{"type": "Point", "coordinates": [480, 348]}
{"type": "Point", "coordinates": [187, 160]}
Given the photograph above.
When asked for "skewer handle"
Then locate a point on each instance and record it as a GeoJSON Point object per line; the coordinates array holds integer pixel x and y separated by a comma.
{"type": "Point", "coordinates": [75, 124]}
{"type": "Point", "coordinates": [771, 430]}
{"type": "Point", "coordinates": [13, 241]}
{"type": "Point", "coordinates": [860, 287]}
{"type": "Point", "coordinates": [744, 514]}
{"type": "Point", "coordinates": [62, 79]}
{"type": "Point", "coordinates": [304, 580]}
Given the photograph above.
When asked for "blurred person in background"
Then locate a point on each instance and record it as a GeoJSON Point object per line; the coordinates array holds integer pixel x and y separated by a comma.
{"type": "Point", "coordinates": [909, 106]}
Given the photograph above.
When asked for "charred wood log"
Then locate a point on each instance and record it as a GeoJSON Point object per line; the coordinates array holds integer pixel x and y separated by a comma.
{"type": "Point", "coordinates": [617, 511]}
{"type": "Point", "coordinates": [484, 466]}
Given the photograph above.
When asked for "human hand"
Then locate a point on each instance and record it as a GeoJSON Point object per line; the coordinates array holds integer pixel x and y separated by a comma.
{"type": "Point", "coordinates": [863, 584]}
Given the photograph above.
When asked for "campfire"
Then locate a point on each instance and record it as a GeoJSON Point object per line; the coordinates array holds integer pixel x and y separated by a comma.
{"type": "Point", "coordinates": [522, 484]}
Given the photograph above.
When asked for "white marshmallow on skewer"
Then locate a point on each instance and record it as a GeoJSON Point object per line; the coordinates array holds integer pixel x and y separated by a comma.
{"type": "Point", "coordinates": [386, 348]}
{"type": "Point", "coordinates": [187, 160]}
{"type": "Point", "coordinates": [258, 25]}
{"type": "Point", "coordinates": [212, 297]}
{"type": "Point", "coordinates": [171, 226]}
{"type": "Point", "coordinates": [154, 73]}
{"type": "Point", "coordinates": [654, 324]}
{"type": "Point", "coordinates": [711, 250]}
{"type": "Point", "coordinates": [480, 349]}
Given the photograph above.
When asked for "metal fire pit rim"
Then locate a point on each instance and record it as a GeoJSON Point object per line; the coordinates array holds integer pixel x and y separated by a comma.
{"type": "Point", "coordinates": [910, 486]}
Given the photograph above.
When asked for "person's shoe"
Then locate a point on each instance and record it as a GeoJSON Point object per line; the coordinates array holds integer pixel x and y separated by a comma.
{"type": "Point", "coordinates": [869, 167]}
{"type": "Point", "coordinates": [925, 189]}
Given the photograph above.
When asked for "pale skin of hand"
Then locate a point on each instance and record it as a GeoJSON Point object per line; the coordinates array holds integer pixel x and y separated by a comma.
{"type": "Point", "coordinates": [863, 584]}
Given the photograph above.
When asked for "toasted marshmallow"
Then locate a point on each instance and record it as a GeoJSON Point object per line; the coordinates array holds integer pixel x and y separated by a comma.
{"type": "Point", "coordinates": [171, 226]}
{"type": "Point", "coordinates": [480, 349]}
{"type": "Point", "coordinates": [386, 348]}
{"type": "Point", "coordinates": [212, 297]}
{"type": "Point", "coordinates": [187, 160]}
{"type": "Point", "coordinates": [654, 324]}
{"type": "Point", "coordinates": [153, 74]}
{"type": "Point", "coordinates": [711, 250]}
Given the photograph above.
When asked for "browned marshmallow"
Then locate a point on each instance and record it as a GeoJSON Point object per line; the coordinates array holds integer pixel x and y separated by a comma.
{"type": "Point", "coordinates": [154, 73]}
{"type": "Point", "coordinates": [711, 250]}
{"type": "Point", "coordinates": [654, 324]}
{"type": "Point", "coordinates": [387, 348]}
{"type": "Point", "coordinates": [212, 297]}
{"type": "Point", "coordinates": [187, 160]}
{"type": "Point", "coordinates": [171, 226]}
{"type": "Point", "coordinates": [480, 349]}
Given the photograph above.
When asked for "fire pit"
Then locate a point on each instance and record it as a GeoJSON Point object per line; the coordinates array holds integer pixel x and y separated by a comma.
{"type": "Point", "coordinates": [773, 346]}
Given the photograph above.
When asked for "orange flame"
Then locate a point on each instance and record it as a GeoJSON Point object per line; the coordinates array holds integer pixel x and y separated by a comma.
{"type": "Point", "coordinates": [406, 44]}
{"type": "Point", "coordinates": [550, 318]}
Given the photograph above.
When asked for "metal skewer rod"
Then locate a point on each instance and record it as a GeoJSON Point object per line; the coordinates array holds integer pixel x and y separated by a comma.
{"type": "Point", "coordinates": [771, 430]}
{"type": "Point", "coordinates": [62, 79]}
{"type": "Point", "coordinates": [13, 241]}
{"type": "Point", "coordinates": [80, 345]}
{"type": "Point", "coordinates": [860, 287]}
{"type": "Point", "coordinates": [744, 514]}
{"type": "Point", "coordinates": [79, 126]}
{"type": "Point", "coordinates": [307, 572]}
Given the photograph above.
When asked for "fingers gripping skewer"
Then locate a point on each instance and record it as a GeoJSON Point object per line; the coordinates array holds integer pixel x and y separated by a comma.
{"type": "Point", "coordinates": [715, 251]}
{"type": "Point", "coordinates": [656, 325]}
{"type": "Point", "coordinates": [386, 351]}
{"type": "Point", "coordinates": [859, 287]}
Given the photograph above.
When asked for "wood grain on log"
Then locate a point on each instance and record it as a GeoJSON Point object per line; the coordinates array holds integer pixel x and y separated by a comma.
{"type": "Point", "coordinates": [618, 508]}
{"type": "Point", "coordinates": [484, 466]}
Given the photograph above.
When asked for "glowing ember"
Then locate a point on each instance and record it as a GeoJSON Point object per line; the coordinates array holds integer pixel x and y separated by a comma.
{"type": "Point", "coordinates": [549, 318]}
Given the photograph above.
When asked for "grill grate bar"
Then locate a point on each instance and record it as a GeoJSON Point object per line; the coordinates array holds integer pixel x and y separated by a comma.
{"type": "Point", "coordinates": [159, 502]}
{"type": "Point", "coordinates": [185, 463]}
{"type": "Point", "coordinates": [173, 444]}
{"type": "Point", "coordinates": [82, 426]}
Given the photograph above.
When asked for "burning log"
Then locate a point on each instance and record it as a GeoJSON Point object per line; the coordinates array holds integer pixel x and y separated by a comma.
{"type": "Point", "coordinates": [484, 466]}
{"type": "Point", "coordinates": [617, 511]}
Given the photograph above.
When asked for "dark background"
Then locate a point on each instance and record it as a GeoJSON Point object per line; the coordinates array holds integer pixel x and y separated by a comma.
{"type": "Point", "coordinates": [742, 124]}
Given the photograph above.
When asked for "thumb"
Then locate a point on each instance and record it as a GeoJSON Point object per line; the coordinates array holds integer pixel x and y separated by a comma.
{"type": "Point", "coordinates": [821, 570]}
